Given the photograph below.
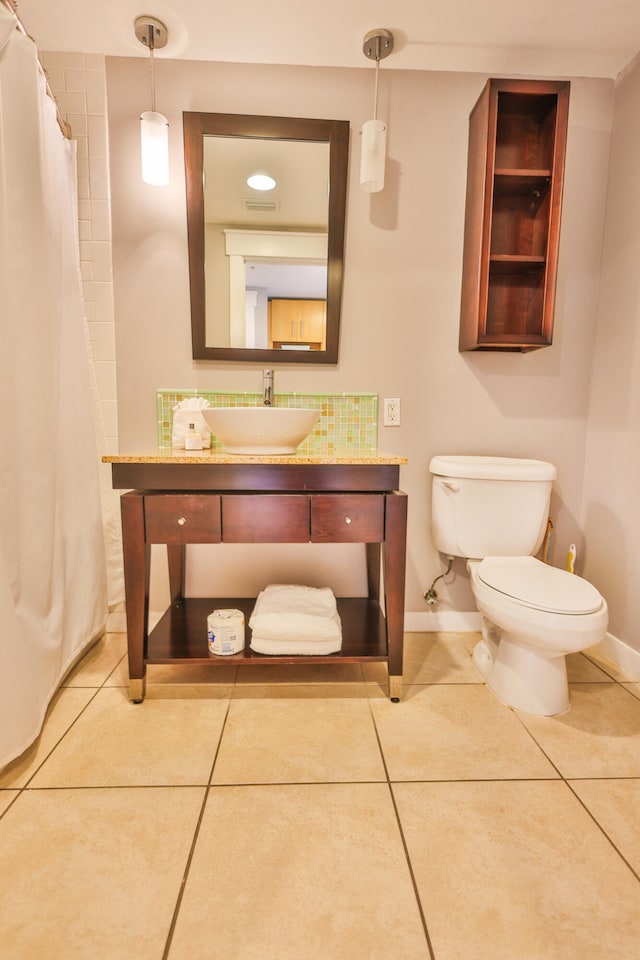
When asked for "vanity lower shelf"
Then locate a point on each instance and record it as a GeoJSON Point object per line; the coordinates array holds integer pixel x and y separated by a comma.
{"type": "Point", "coordinates": [180, 636]}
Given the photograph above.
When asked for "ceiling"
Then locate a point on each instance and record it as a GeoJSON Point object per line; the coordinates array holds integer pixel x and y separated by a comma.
{"type": "Point", "coordinates": [594, 38]}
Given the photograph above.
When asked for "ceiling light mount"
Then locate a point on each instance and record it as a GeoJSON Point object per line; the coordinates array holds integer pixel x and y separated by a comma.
{"type": "Point", "coordinates": [377, 44]}
{"type": "Point", "coordinates": [151, 32]}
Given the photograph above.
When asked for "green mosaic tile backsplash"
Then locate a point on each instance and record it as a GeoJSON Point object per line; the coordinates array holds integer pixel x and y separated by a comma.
{"type": "Point", "coordinates": [348, 421]}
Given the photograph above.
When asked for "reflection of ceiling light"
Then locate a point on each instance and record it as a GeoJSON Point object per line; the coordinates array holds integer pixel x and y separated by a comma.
{"type": "Point", "coordinates": [260, 181]}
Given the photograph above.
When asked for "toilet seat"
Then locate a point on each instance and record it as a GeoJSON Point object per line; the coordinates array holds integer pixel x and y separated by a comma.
{"type": "Point", "coordinates": [531, 583]}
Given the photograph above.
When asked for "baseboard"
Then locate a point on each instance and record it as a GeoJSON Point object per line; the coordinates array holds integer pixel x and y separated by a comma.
{"type": "Point", "coordinates": [117, 619]}
{"type": "Point", "coordinates": [447, 621]}
{"type": "Point", "coordinates": [624, 657]}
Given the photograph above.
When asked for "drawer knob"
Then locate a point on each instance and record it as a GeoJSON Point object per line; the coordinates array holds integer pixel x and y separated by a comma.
{"type": "Point", "coordinates": [182, 521]}
{"type": "Point", "coordinates": [347, 519]}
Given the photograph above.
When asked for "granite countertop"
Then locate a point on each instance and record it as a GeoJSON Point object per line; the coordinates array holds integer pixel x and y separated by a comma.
{"type": "Point", "coordinates": [168, 455]}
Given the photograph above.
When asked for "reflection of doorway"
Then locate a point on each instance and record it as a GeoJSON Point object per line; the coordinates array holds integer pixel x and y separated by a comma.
{"type": "Point", "coordinates": [281, 264]}
{"type": "Point", "coordinates": [288, 283]}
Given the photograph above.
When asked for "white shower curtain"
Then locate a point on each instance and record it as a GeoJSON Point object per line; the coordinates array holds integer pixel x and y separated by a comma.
{"type": "Point", "coordinates": [52, 566]}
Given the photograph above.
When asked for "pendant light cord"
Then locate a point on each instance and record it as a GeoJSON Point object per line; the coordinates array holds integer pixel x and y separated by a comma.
{"type": "Point", "coordinates": [153, 79]}
{"type": "Point", "coordinates": [375, 96]}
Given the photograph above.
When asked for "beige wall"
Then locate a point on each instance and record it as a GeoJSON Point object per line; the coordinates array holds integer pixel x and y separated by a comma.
{"type": "Point", "coordinates": [402, 281]}
{"type": "Point", "coordinates": [611, 505]}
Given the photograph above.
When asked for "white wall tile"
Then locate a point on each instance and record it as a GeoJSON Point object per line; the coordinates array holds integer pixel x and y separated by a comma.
{"type": "Point", "coordinates": [82, 167]}
{"type": "Point", "coordinates": [79, 84]}
{"type": "Point", "coordinates": [96, 93]}
{"type": "Point", "coordinates": [62, 61]}
{"type": "Point", "coordinates": [109, 410]}
{"type": "Point", "coordinates": [103, 335]}
{"type": "Point", "coordinates": [94, 61]}
{"type": "Point", "coordinates": [102, 296]}
{"type": "Point", "coordinates": [72, 102]}
{"type": "Point", "coordinates": [84, 192]}
{"type": "Point", "coordinates": [55, 76]}
{"type": "Point", "coordinates": [106, 377]}
{"type": "Point", "coordinates": [100, 216]}
{"type": "Point", "coordinates": [84, 230]}
{"type": "Point", "coordinates": [98, 142]}
{"type": "Point", "coordinates": [101, 256]}
{"type": "Point", "coordinates": [78, 123]}
{"type": "Point", "coordinates": [74, 81]}
{"type": "Point", "coordinates": [99, 177]}
{"type": "Point", "coordinates": [86, 270]}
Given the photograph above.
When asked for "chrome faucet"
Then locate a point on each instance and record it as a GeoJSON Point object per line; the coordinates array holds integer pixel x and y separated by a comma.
{"type": "Point", "coordinates": [267, 388]}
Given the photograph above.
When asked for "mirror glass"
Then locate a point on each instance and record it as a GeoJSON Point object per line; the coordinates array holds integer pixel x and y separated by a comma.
{"type": "Point", "coordinates": [265, 265]}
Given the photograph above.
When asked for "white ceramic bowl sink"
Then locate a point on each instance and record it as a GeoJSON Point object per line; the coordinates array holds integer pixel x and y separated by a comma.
{"type": "Point", "coordinates": [260, 430]}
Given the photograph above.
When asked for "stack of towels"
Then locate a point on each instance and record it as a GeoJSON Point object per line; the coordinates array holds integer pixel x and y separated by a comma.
{"type": "Point", "coordinates": [290, 619]}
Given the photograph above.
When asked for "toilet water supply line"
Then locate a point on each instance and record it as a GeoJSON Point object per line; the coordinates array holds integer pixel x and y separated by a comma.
{"type": "Point", "coordinates": [431, 595]}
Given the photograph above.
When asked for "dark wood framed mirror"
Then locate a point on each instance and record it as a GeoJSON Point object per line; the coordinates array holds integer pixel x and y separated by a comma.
{"type": "Point", "coordinates": [265, 267]}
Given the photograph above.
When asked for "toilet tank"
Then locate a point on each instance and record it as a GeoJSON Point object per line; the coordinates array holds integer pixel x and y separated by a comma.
{"type": "Point", "coordinates": [490, 506]}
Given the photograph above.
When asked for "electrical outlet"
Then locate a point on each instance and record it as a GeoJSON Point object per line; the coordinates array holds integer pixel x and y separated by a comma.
{"type": "Point", "coordinates": [391, 417]}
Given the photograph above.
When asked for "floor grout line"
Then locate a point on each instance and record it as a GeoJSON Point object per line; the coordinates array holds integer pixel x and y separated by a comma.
{"type": "Point", "coordinates": [194, 841]}
{"type": "Point", "coordinates": [412, 876]}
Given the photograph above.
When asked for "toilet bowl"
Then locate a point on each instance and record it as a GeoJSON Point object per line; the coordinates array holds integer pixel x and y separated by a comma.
{"type": "Point", "coordinates": [493, 511]}
{"type": "Point", "coordinates": [534, 615]}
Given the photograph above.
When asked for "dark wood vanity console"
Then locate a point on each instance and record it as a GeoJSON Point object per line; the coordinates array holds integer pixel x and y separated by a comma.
{"type": "Point", "coordinates": [178, 498]}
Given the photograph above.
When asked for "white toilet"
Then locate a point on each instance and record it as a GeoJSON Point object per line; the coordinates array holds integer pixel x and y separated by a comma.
{"type": "Point", "coordinates": [493, 511]}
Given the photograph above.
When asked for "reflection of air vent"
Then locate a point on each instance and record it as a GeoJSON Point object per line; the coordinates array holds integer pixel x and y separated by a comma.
{"type": "Point", "coordinates": [267, 206]}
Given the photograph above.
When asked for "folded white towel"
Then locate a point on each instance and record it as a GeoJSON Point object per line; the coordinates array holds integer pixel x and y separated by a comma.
{"type": "Point", "coordinates": [289, 619]}
{"type": "Point", "coordinates": [295, 648]}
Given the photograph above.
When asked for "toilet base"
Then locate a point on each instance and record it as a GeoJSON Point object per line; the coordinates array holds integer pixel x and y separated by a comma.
{"type": "Point", "coordinates": [519, 677]}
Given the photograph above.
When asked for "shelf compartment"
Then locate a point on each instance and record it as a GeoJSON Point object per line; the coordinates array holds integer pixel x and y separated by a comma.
{"type": "Point", "coordinates": [515, 306]}
{"type": "Point", "coordinates": [520, 222]}
{"type": "Point", "coordinates": [181, 634]}
{"type": "Point", "coordinates": [525, 129]}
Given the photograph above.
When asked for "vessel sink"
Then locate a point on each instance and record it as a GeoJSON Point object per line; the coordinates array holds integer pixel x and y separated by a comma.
{"type": "Point", "coordinates": [261, 430]}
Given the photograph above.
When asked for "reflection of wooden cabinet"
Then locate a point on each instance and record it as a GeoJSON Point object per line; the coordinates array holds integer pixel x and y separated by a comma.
{"type": "Point", "coordinates": [298, 321]}
{"type": "Point", "coordinates": [517, 138]}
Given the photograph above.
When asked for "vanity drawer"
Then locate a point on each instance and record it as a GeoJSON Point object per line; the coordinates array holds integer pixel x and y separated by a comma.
{"type": "Point", "coordinates": [265, 518]}
{"type": "Point", "coordinates": [182, 518]}
{"type": "Point", "coordinates": [347, 517]}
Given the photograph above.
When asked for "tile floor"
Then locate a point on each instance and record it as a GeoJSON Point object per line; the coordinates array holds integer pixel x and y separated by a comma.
{"type": "Point", "coordinates": [297, 814]}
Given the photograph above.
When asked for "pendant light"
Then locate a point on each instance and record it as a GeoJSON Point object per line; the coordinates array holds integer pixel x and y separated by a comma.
{"type": "Point", "coordinates": [377, 45]}
{"type": "Point", "coordinates": [154, 127]}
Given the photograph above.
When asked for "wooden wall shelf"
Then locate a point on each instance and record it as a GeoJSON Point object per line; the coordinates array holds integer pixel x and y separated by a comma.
{"type": "Point", "coordinates": [517, 142]}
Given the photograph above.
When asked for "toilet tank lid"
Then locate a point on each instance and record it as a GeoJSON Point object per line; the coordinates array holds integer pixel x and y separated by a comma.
{"type": "Point", "coordinates": [492, 468]}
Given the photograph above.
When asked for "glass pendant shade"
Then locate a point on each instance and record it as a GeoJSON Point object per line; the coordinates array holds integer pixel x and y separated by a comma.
{"type": "Point", "coordinates": [154, 141]}
{"type": "Point", "coordinates": [372, 157]}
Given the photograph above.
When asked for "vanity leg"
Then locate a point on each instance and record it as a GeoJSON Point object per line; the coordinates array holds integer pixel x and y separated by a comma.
{"type": "Point", "coordinates": [137, 690]}
{"type": "Point", "coordinates": [395, 689]}
{"type": "Point", "coordinates": [176, 564]}
{"type": "Point", "coordinates": [373, 570]}
{"type": "Point", "coordinates": [136, 560]}
{"type": "Point", "coordinates": [394, 560]}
